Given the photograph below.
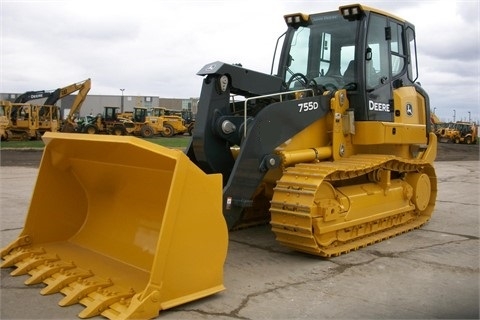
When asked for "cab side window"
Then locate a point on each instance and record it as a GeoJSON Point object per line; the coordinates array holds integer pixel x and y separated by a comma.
{"type": "Point", "coordinates": [386, 55]}
{"type": "Point", "coordinates": [376, 56]}
{"type": "Point", "coordinates": [397, 49]}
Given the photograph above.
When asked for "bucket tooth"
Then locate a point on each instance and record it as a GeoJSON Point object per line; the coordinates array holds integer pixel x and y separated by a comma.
{"type": "Point", "coordinates": [98, 301]}
{"type": "Point", "coordinates": [44, 271]}
{"type": "Point", "coordinates": [20, 254]}
{"type": "Point", "coordinates": [77, 290]}
{"type": "Point", "coordinates": [33, 261]}
{"type": "Point", "coordinates": [21, 241]}
{"type": "Point", "coordinates": [143, 305]}
{"type": "Point", "coordinates": [118, 308]}
{"type": "Point", "coordinates": [59, 280]}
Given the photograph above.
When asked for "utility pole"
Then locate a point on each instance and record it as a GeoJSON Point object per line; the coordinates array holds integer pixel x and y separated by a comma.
{"type": "Point", "coordinates": [121, 103]}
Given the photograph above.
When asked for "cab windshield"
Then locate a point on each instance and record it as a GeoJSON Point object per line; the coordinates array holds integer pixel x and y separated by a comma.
{"type": "Point", "coordinates": [323, 51]}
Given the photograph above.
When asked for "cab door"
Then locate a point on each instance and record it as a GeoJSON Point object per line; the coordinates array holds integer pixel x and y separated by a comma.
{"type": "Point", "coordinates": [385, 61]}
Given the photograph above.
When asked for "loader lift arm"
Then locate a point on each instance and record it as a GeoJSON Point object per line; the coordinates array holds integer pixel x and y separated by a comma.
{"type": "Point", "coordinates": [269, 122]}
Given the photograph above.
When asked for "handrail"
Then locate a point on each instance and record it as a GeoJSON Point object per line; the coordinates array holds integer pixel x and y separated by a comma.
{"type": "Point", "coordinates": [279, 94]}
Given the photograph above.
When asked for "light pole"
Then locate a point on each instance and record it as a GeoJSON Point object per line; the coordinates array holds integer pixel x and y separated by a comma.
{"type": "Point", "coordinates": [121, 104]}
{"type": "Point", "coordinates": [469, 116]}
{"type": "Point", "coordinates": [454, 113]}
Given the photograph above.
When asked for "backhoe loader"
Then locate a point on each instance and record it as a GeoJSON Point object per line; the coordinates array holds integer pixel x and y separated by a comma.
{"type": "Point", "coordinates": [457, 132]}
{"type": "Point", "coordinates": [334, 150]}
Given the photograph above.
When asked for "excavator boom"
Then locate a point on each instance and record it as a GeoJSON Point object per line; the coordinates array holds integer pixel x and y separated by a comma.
{"type": "Point", "coordinates": [32, 95]}
{"type": "Point", "coordinates": [83, 87]}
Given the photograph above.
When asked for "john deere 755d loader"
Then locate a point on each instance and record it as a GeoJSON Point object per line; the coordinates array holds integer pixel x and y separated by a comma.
{"type": "Point", "coordinates": [333, 150]}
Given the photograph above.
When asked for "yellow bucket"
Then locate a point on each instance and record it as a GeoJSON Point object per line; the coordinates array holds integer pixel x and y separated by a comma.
{"type": "Point", "coordinates": [122, 226]}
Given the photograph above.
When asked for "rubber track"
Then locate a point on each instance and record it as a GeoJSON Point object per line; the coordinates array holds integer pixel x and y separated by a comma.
{"type": "Point", "coordinates": [296, 231]}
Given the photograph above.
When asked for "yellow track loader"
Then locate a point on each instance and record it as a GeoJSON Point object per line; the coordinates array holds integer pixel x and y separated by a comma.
{"type": "Point", "coordinates": [333, 149]}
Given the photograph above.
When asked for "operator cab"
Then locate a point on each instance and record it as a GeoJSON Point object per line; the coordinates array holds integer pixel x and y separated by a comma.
{"type": "Point", "coordinates": [365, 51]}
{"type": "Point", "coordinates": [140, 114]}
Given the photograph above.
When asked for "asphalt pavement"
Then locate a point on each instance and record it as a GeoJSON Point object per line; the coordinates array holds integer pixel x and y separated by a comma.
{"type": "Point", "coordinates": [429, 273]}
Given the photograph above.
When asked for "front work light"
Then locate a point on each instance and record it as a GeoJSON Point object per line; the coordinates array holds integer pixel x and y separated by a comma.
{"type": "Point", "coordinates": [352, 12]}
{"type": "Point", "coordinates": [296, 20]}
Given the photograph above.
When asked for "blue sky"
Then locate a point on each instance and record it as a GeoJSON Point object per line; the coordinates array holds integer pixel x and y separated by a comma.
{"type": "Point", "coordinates": [157, 47]}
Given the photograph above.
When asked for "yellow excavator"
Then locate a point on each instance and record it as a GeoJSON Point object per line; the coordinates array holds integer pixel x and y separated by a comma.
{"type": "Point", "coordinates": [333, 149]}
{"type": "Point", "coordinates": [83, 87]}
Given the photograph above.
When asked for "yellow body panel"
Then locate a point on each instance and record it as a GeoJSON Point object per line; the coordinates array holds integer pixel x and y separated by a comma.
{"type": "Point", "coordinates": [408, 126]}
{"type": "Point", "coordinates": [370, 133]}
{"type": "Point", "coordinates": [409, 106]}
{"type": "Point", "coordinates": [131, 212]}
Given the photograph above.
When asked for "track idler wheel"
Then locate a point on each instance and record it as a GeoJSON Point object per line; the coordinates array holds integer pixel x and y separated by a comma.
{"type": "Point", "coordinates": [422, 189]}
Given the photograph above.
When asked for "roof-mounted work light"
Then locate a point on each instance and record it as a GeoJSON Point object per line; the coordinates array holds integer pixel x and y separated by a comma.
{"type": "Point", "coordinates": [296, 20]}
{"type": "Point", "coordinates": [352, 12]}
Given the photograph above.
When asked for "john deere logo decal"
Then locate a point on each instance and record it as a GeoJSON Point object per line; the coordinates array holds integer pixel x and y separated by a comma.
{"type": "Point", "coordinates": [211, 67]}
{"type": "Point", "coordinates": [409, 110]}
